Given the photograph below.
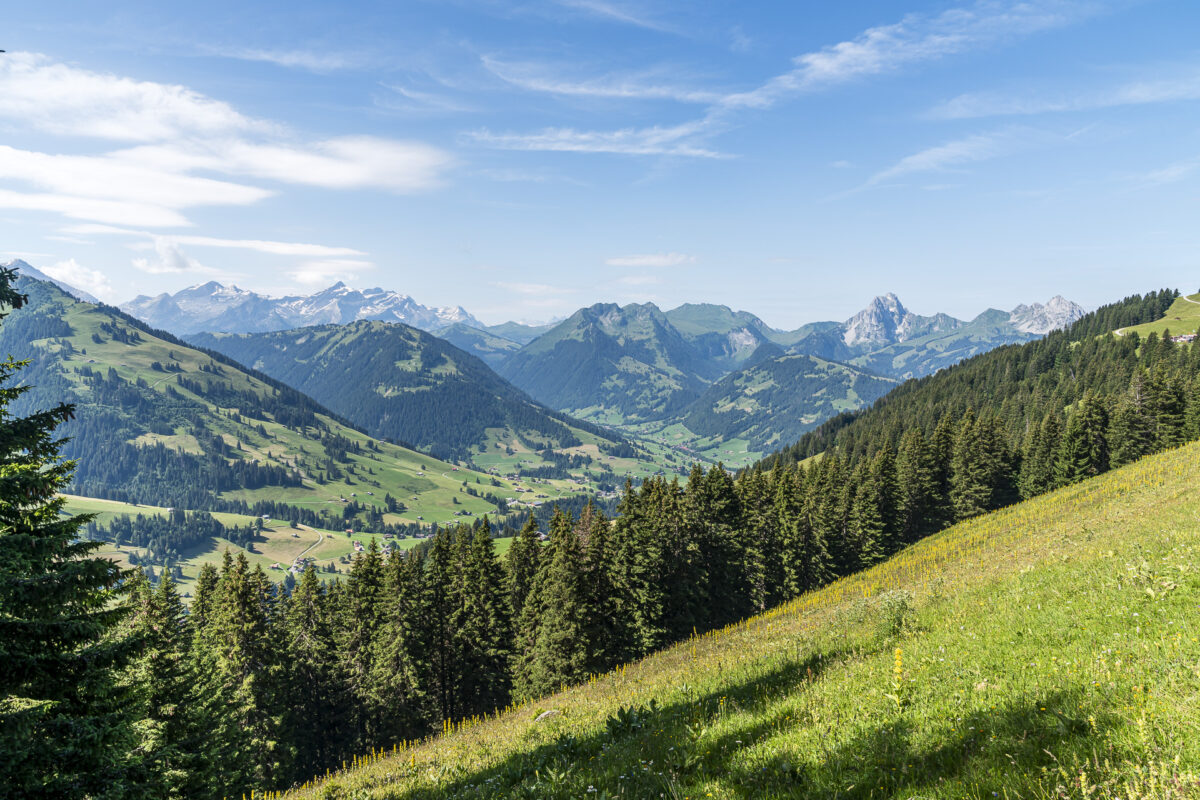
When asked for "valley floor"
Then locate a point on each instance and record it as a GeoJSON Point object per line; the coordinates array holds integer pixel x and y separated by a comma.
{"type": "Point", "coordinates": [1047, 650]}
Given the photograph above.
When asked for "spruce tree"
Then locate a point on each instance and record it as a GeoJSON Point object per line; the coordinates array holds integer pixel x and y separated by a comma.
{"type": "Point", "coordinates": [483, 626]}
{"type": "Point", "coordinates": [560, 651]}
{"type": "Point", "coordinates": [168, 732]}
{"type": "Point", "coordinates": [521, 566]}
{"type": "Point", "coordinates": [63, 729]}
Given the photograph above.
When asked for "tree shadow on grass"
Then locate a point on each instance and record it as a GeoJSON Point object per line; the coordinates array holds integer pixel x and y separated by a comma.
{"type": "Point", "coordinates": [672, 751]}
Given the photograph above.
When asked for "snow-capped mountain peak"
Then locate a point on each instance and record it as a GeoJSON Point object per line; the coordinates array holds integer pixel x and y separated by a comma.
{"type": "Point", "coordinates": [229, 309]}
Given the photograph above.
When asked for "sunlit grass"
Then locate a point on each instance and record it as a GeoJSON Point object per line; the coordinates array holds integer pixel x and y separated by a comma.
{"type": "Point", "coordinates": [1046, 650]}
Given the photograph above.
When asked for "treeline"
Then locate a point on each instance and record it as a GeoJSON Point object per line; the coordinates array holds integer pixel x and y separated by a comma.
{"type": "Point", "coordinates": [1018, 383]}
{"type": "Point", "coordinates": [168, 539]}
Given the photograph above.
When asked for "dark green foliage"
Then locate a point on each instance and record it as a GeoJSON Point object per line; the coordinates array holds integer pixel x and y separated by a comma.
{"type": "Point", "coordinates": [780, 399]}
{"type": "Point", "coordinates": [401, 383]}
{"type": "Point", "coordinates": [63, 727]}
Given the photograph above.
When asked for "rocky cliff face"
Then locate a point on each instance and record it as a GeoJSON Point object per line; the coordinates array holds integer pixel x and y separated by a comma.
{"type": "Point", "coordinates": [1041, 318]}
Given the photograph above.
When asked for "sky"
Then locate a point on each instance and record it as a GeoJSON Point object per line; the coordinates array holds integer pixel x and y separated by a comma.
{"type": "Point", "coordinates": [524, 159]}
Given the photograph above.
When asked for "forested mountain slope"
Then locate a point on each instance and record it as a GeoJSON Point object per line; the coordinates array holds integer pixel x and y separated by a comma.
{"type": "Point", "coordinates": [778, 399]}
{"type": "Point", "coordinates": [629, 361]}
{"type": "Point", "coordinates": [406, 385]}
{"type": "Point", "coordinates": [162, 423]}
{"type": "Point", "coordinates": [1146, 383]}
{"type": "Point", "coordinates": [1043, 650]}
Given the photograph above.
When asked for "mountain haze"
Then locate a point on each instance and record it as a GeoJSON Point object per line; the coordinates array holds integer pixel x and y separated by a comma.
{"type": "Point", "coordinates": [228, 309]}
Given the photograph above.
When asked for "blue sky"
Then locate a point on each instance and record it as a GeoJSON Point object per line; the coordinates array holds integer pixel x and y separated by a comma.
{"type": "Point", "coordinates": [524, 159]}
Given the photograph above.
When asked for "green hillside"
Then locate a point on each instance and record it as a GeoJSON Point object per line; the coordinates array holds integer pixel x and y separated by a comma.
{"type": "Point", "coordinates": [1047, 650]}
{"type": "Point", "coordinates": [161, 423]}
{"type": "Point", "coordinates": [401, 384]}
{"type": "Point", "coordinates": [1182, 317]}
{"type": "Point", "coordinates": [490, 348]}
{"type": "Point", "coordinates": [778, 400]}
{"type": "Point", "coordinates": [615, 364]}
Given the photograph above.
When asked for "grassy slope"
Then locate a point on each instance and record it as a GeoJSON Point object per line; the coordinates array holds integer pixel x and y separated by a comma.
{"type": "Point", "coordinates": [1051, 650]}
{"type": "Point", "coordinates": [280, 543]}
{"type": "Point", "coordinates": [1182, 317]}
{"type": "Point", "coordinates": [397, 469]}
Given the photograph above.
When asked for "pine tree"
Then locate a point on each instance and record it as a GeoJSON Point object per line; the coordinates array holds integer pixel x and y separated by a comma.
{"type": "Point", "coordinates": [163, 684]}
{"type": "Point", "coordinates": [317, 697]}
{"type": "Point", "coordinates": [916, 488]}
{"type": "Point", "coordinates": [244, 682]}
{"type": "Point", "coordinates": [521, 563]}
{"type": "Point", "coordinates": [560, 651]}
{"type": "Point", "coordinates": [358, 618]}
{"type": "Point", "coordinates": [483, 626]}
{"type": "Point", "coordinates": [63, 732]}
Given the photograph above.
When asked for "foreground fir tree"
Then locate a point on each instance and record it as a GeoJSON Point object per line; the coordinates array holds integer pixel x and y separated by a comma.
{"type": "Point", "coordinates": [63, 730]}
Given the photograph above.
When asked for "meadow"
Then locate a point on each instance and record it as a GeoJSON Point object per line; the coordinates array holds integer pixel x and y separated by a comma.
{"type": "Point", "coordinates": [1047, 650]}
{"type": "Point", "coordinates": [1182, 317]}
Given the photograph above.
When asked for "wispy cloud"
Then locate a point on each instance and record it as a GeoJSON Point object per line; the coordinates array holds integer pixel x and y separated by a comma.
{"type": "Point", "coordinates": [257, 245]}
{"type": "Point", "coordinates": [678, 140]}
{"type": "Point", "coordinates": [328, 271]}
{"type": "Point", "coordinates": [1172, 173]}
{"type": "Point", "coordinates": [651, 260]}
{"type": "Point", "coordinates": [403, 98]}
{"type": "Point", "coordinates": [958, 153]}
{"type": "Point", "coordinates": [175, 135]}
{"type": "Point", "coordinates": [533, 289]}
{"type": "Point", "coordinates": [624, 13]}
{"type": "Point", "coordinates": [313, 60]}
{"type": "Point", "coordinates": [984, 104]}
{"type": "Point", "coordinates": [648, 85]}
{"type": "Point", "coordinates": [880, 50]}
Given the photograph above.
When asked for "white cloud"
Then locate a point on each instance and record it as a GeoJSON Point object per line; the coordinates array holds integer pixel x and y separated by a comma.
{"type": "Point", "coordinates": [170, 260]}
{"type": "Point", "coordinates": [75, 274]}
{"type": "Point", "coordinates": [651, 260]}
{"type": "Point", "coordinates": [178, 135]}
{"type": "Point", "coordinates": [113, 212]}
{"type": "Point", "coordinates": [671, 141]}
{"type": "Point", "coordinates": [328, 271]}
{"type": "Point", "coordinates": [122, 177]}
{"type": "Point", "coordinates": [311, 60]}
{"type": "Point", "coordinates": [62, 99]}
{"type": "Point", "coordinates": [984, 104]}
{"type": "Point", "coordinates": [959, 152]}
{"type": "Point", "coordinates": [880, 50]}
{"type": "Point", "coordinates": [645, 86]}
{"type": "Point", "coordinates": [257, 245]}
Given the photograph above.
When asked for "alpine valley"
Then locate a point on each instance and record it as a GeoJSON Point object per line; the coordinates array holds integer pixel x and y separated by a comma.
{"type": "Point", "coordinates": [700, 381]}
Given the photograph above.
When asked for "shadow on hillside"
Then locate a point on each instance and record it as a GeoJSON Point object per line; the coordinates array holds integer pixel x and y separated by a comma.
{"type": "Point", "coordinates": [671, 751]}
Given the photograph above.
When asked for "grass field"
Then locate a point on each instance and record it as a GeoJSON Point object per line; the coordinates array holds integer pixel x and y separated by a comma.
{"type": "Point", "coordinates": [1048, 650]}
{"type": "Point", "coordinates": [1182, 317]}
{"type": "Point", "coordinates": [280, 543]}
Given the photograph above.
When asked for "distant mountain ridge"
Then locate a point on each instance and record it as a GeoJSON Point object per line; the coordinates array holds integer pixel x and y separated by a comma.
{"type": "Point", "coordinates": [403, 384]}
{"type": "Point", "coordinates": [216, 308]}
{"type": "Point", "coordinates": [643, 363]}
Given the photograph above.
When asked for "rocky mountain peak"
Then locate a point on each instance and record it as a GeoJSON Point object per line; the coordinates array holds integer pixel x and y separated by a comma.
{"type": "Point", "coordinates": [1041, 318]}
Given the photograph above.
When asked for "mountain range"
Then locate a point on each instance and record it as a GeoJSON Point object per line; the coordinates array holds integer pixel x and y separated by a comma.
{"type": "Point", "coordinates": [227, 309]}
{"type": "Point", "coordinates": [706, 371]}
{"type": "Point", "coordinates": [403, 384]}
